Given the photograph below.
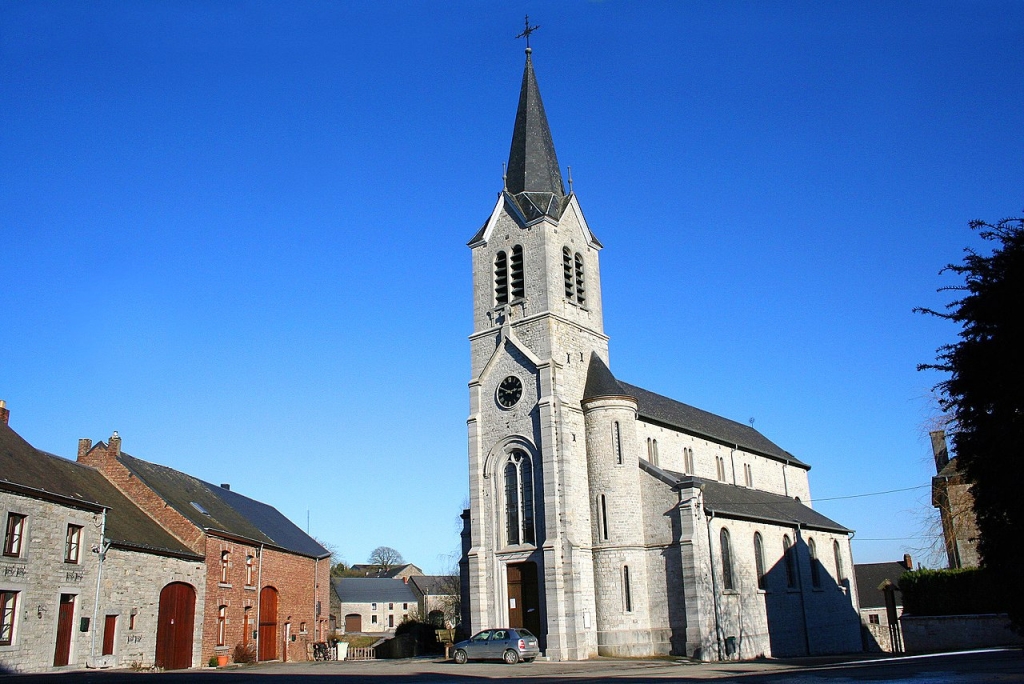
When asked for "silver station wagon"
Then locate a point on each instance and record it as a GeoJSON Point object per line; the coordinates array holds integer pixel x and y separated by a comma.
{"type": "Point", "coordinates": [508, 644]}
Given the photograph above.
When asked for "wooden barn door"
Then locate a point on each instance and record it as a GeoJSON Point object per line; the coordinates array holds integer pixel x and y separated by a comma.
{"type": "Point", "coordinates": [109, 628]}
{"type": "Point", "coordinates": [174, 627]}
{"type": "Point", "coordinates": [65, 623]}
{"type": "Point", "coordinates": [353, 623]}
{"type": "Point", "coordinates": [268, 623]}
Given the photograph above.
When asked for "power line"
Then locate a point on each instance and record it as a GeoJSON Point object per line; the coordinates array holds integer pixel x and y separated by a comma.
{"type": "Point", "coordinates": [858, 496]}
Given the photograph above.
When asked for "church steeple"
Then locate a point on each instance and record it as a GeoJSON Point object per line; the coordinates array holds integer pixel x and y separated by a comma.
{"type": "Point", "coordinates": [532, 164]}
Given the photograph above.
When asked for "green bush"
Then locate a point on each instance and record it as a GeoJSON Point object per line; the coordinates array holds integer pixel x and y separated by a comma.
{"type": "Point", "coordinates": [965, 591]}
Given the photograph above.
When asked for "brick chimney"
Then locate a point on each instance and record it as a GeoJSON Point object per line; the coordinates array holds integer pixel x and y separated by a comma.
{"type": "Point", "coordinates": [83, 447]}
{"type": "Point", "coordinates": [115, 444]}
{"type": "Point", "coordinates": [5, 415]}
{"type": "Point", "coordinates": [939, 450]}
{"type": "Point", "coordinates": [908, 562]}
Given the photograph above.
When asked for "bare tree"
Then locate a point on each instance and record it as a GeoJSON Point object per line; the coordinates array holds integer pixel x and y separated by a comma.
{"type": "Point", "coordinates": [385, 558]}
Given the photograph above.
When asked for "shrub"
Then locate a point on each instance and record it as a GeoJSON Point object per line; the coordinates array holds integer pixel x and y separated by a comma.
{"type": "Point", "coordinates": [244, 653]}
{"type": "Point", "coordinates": [963, 591]}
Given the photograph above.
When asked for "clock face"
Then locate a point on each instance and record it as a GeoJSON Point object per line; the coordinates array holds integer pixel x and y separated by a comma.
{"type": "Point", "coordinates": [510, 391]}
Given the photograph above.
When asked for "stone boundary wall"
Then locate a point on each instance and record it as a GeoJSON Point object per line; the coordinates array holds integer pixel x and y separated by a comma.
{"type": "Point", "coordinates": [923, 634]}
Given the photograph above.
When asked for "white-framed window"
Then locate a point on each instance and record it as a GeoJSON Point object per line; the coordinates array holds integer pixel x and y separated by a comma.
{"type": "Point", "coordinates": [373, 619]}
{"type": "Point", "coordinates": [222, 625]}
{"type": "Point", "coordinates": [8, 615]}
{"type": "Point", "coordinates": [224, 557]}
{"type": "Point", "coordinates": [373, 606]}
{"type": "Point", "coordinates": [73, 544]}
{"type": "Point", "coordinates": [250, 563]}
{"type": "Point", "coordinates": [519, 513]}
{"type": "Point", "coordinates": [14, 536]}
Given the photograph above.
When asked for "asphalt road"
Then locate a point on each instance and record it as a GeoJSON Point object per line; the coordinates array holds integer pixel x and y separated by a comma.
{"type": "Point", "coordinates": [953, 668]}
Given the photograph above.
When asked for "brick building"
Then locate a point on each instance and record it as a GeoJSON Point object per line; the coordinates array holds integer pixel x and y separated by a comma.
{"type": "Point", "coordinates": [266, 582]}
{"type": "Point", "coordinates": [71, 537]}
{"type": "Point", "coordinates": [608, 519]}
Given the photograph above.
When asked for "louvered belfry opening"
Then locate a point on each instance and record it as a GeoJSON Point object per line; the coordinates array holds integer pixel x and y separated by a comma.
{"type": "Point", "coordinates": [570, 291]}
{"type": "Point", "coordinates": [581, 291]}
{"type": "Point", "coordinates": [518, 279]}
{"type": "Point", "coordinates": [501, 278]}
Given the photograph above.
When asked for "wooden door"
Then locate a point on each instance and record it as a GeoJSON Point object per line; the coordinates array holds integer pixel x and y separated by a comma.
{"type": "Point", "coordinates": [524, 597]}
{"type": "Point", "coordinates": [353, 623]}
{"type": "Point", "coordinates": [109, 627]}
{"type": "Point", "coordinates": [65, 623]}
{"type": "Point", "coordinates": [268, 623]}
{"type": "Point", "coordinates": [174, 627]}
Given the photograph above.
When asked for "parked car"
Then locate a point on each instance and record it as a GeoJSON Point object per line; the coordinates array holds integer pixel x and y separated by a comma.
{"type": "Point", "coordinates": [508, 644]}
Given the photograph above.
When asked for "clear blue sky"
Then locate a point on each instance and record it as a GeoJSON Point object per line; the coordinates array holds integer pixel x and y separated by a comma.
{"type": "Point", "coordinates": [235, 231]}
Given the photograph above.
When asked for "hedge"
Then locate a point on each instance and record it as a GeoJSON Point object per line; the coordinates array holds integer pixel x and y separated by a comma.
{"type": "Point", "coordinates": [964, 591]}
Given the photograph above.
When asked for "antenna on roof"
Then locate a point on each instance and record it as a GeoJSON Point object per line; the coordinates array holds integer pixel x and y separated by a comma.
{"type": "Point", "coordinates": [751, 421]}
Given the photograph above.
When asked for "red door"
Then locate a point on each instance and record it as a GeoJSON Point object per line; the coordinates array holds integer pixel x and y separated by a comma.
{"type": "Point", "coordinates": [174, 626]}
{"type": "Point", "coordinates": [109, 627]}
{"type": "Point", "coordinates": [65, 618]}
{"type": "Point", "coordinates": [268, 623]}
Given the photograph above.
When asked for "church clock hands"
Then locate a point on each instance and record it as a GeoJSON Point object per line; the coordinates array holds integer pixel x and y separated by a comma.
{"type": "Point", "coordinates": [510, 391]}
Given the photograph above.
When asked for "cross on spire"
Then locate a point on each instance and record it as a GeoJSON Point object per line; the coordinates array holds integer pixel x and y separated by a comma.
{"type": "Point", "coordinates": [527, 31]}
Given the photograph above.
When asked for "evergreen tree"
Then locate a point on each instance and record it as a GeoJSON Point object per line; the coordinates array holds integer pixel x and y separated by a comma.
{"type": "Point", "coordinates": [984, 395]}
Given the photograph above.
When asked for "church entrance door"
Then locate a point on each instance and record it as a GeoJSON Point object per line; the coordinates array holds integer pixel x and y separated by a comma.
{"type": "Point", "coordinates": [523, 597]}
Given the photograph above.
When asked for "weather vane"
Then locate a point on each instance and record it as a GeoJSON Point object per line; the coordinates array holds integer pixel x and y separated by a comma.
{"type": "Point", "coordinates": [527, 31]}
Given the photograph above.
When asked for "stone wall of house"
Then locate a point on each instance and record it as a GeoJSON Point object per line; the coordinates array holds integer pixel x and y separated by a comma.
{"type": "Point", "coordinates": [40, 577]}
{"type": "Point", "coordinates": [376, 617]}
{"type": "Point", "coordinates": [131, 586]}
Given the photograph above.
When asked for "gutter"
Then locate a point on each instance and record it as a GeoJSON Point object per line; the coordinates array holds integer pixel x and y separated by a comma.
{"type": "Point", "coordinates": [104, 545]}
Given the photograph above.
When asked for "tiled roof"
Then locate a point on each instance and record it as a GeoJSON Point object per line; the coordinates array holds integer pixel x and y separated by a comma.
{"type": "Point", "coordinates": [373, 590]}
{"type": "Point", "coordinates": [733, 501]}
{"type": "Point", "coordinates": [655, 408]}
{"type": "Point", "coordinates": [870, 577]}
{"type": "Point", "coordinates": [23, 465]}
{"type": "Point", "coordinates": [215, 508]}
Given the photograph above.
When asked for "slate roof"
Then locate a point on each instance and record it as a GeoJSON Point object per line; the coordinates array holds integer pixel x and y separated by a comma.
{"type": "Point", "coordinates": [373, 590]}
{"type": "Point", "coordinates": [435, 585]}
{"type": "Point", "coordinates": [655, 408]}
{"type": "Point", "coordinates": [223, 510]}
{"type": "Point", "coordinates": [532, 163]}
{"type": "Point", "coordinates": [371, 570]}
{"type": "Point", "coordinates": [733, 501]}
{"type": "Point", "coordinates": [37, 473]}
{"type": "Point", "coordinates": [870, 576]}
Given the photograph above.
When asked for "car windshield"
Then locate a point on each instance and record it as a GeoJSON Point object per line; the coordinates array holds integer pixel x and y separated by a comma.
{"type": "Point", "coordinates": [524, 633]}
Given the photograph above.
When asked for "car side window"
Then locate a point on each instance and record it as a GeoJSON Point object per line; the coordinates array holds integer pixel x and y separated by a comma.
{"type": "Point", "coordinates": [499, 635]}
{"type": "Point", "coordinates": [482, 636]}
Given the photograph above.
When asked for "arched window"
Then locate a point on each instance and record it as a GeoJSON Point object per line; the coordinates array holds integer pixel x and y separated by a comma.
{"type": "Point", "coordinates": [500, 278]}
{"type": "Point", "coordinates": [224, 567]}
{"type": "Point", "coordinates": [519, 499]}
{"type": "Point", "coordinates": [720, 462]}
{"type": "Point", "coordinates": [249, 570]}
{"type": "Point", "coordinates": [617, 442]}
{"type": "Point", "coordinates": [627, 591]}
{"type": "Point", "coordinates": [516, 266]}
{"type": "Point", "coordinates": [762, 579]}
{"type": "Point", "coordinates": [570, 290]}
{"type": "Point", "coordinates": [222, 621]}
{"type": "Point", "coordinates": [815, 566]}
{"type": "Point", "coordinates": [652, 451]}
{"type": "Point", "coordinates": [748, 474]}
{"type": "Point", "coordinates": [787, 555]}
{"type": "Point", "coordinates": [688, 461]}
{"type": "Point", "coordinates": [581, 290]}
{"type": "Point", "coordinates": [727, 582]}
{"type": "Point", "coordinates": [839, 561]}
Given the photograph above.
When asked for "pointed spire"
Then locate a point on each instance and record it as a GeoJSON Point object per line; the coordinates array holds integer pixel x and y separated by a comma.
{"type": "Point", "coordinates": [532, 164]}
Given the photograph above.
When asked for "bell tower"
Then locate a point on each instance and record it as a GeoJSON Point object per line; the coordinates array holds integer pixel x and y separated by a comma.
{"type": "Point", "coordinates": [536, 323]}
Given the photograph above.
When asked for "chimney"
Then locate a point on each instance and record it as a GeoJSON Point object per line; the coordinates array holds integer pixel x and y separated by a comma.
{"type": "Point", "coordinates": [83, 447]}
{"type": "Point", "coordinates": [405, 579]}
{"type": "Point", "coordinates": [939, 449]}
{"type": "Point", "coordinates": [5, 415]}
{"type": "Point", "coordinates": [908, 563]}
{"type": "Point", "coordinates": [115, 444]}
{"type": "Point", "coordinates": [226, 486]}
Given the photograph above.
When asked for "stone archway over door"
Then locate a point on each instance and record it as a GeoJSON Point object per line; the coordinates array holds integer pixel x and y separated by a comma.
{"type": "Point", "coordinates": [353, 622]}
{"type": "Point", "coordinates": [268, 624]}
{"type": "Point", "coordinates": [175, 625]}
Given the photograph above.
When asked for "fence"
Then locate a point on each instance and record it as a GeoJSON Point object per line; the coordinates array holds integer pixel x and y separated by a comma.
{"type": "Point", "coordinates": [367, 653]}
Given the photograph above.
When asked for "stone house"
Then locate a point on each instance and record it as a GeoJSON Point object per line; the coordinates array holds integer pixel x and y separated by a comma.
{"type": "Point", "coordinates": [437, 599]}
{"type": "Point", "coordinates": [880, 623]}
{"type": "Point", "coordinates": [265, 581]}
{"type": "Point", "coordinates": [70, 538]}
{"type": "Point", "coordinates": [606, 518]}
{"type": "Point", "coordinates": [370, 605]}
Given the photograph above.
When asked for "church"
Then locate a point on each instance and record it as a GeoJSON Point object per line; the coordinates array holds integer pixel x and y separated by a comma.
{"type": "Point", "coordinates": [607, 519]}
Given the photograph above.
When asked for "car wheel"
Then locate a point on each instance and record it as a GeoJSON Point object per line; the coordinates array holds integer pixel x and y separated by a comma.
{"type": "Point", "coordinates": [511, 657]}
{"type": "Point", "coordinates": [460, 657]}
